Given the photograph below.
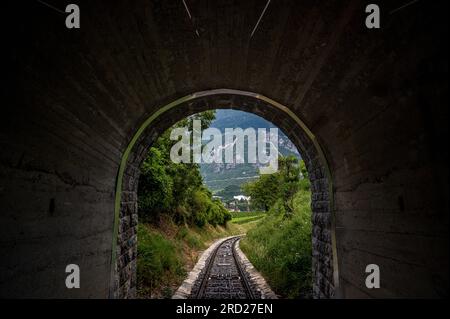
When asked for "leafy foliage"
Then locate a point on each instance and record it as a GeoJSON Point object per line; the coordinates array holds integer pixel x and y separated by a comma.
{"type": "Point", "coordinates": [284, 184]}
{"type": "Point", "coordinates": [176, 189]}
{"type": "Point", "coordinates": [280, 245]}
{"type": "Point", "coordinates": [280, 248]}
{"type": "Point", "coordinates": [264, 191]}
{"type": "Point", "coordinates": [155, 185]}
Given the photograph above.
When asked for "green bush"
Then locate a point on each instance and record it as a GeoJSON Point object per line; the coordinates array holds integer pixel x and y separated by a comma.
{"type": "Point", "coordinates": [199, 204]}
{"type": "Point", "coordinates": [217, 214]}
{"type": "Point", "coordinates": [155, 187]}
{"type": "Point", "coordinates": [176, 189]}
{"type": "Point", "coordinates": [280, 248]}
{"type": "Point", "coordinates": [206, 210]}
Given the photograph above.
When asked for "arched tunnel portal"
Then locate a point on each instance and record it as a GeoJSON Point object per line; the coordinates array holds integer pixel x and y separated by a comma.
{"type": "Point", "coordinates": [325, 266]}
{"type": "Point", "coordinates": [375, 101]}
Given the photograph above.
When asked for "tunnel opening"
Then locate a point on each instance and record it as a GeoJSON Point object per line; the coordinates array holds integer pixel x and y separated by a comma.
{"type": "Point", "coordinates": [124, 252]}
{"type": "Point", "coordinates": [213, 175]}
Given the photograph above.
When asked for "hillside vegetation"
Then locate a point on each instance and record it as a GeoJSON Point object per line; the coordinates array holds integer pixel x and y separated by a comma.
{"type": "Point", "coordinates": [176, 189]}
{"type": "Point", "coordinates": [279, 246]}
{"type": "Point", "coordinates": [177, 216]}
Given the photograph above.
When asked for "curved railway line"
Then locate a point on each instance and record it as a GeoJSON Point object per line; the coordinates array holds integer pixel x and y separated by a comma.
{"type": "Point", "coordinates": [224, 277]}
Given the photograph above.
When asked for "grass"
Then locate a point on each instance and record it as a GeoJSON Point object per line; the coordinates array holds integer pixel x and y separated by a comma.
{"type": "Point", "coordinates": [280, 248]}
{"type": "Point", "coordinates": [245, 214]}
{"type": "Point", "coordinates": [246, 219]}
{"type": "Point", "coordinates": [157, 262]}
{"type": "Point", "coordinates": [167, 252]}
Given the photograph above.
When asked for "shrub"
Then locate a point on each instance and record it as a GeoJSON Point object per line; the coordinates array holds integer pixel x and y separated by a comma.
{"type": "Point", "coordinates": [155, 187]}
{"type": "Point", "coordinates": [280, 248]}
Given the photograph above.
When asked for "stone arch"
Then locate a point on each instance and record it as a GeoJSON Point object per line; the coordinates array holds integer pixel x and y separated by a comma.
{"type": "Point", "coordinates": [124, 250]}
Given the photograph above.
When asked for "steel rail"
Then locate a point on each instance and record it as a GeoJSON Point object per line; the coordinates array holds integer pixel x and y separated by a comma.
{"type": "Point", "coordinates": [204, 282]}
{"type": "Point", "coordinates": [243, 278]}
{"type": "Point", "coordinates": [241, 271]}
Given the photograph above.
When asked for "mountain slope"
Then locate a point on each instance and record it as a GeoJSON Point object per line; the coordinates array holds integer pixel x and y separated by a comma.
{"type": "Point", "coordinates": [218, 176]}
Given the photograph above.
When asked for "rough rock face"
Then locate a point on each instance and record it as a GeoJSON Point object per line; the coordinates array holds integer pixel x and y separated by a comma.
{"type": "Point", "coordinates": [375, 100]}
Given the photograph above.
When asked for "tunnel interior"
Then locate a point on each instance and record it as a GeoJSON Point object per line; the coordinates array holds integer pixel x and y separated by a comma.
{"type": "Point", "coordinates": [375, 100]}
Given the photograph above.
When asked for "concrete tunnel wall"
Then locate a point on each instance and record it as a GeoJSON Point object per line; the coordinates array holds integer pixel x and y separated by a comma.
{"type": "Point", "coordinates": [375, 99]}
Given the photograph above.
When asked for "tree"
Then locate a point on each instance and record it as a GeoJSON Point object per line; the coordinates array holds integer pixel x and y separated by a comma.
{"type": "Point", "coordinates": [264, 191]}
{"type": "Point", "coordinates": [155, 186]}
{"type": "Point", "coordinates": [284, 184]}
{"type": "Point", "coordinates": [177, 189]}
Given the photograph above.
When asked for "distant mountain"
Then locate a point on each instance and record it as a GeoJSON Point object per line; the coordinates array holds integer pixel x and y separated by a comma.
{"type": "Point", "coordinates": [218, 176]}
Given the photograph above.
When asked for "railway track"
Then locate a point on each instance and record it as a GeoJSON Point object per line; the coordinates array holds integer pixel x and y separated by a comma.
{"type": "Point", "coordinates": [223, 276]}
